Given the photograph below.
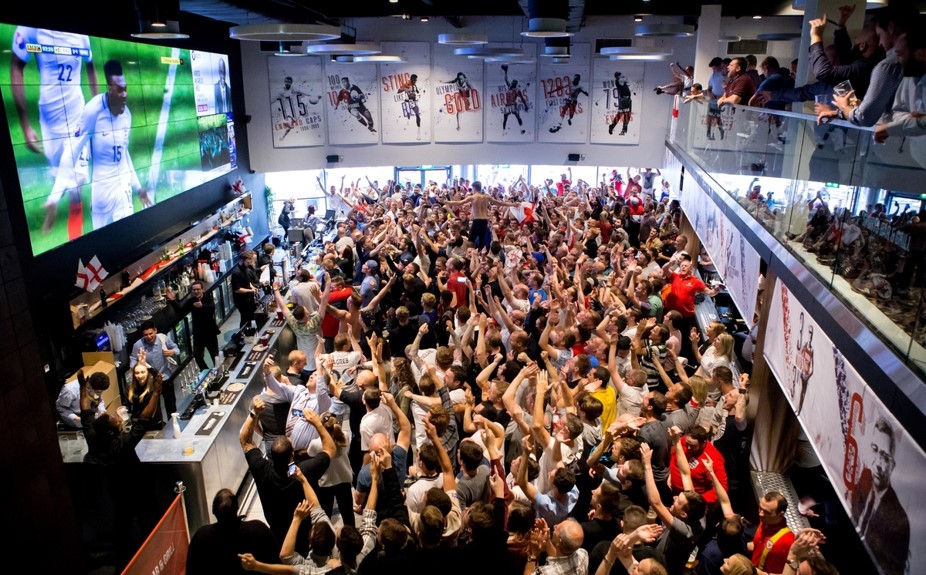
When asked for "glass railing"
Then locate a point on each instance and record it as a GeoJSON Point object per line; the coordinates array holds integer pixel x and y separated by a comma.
{"type": "Point", "coordinates": [845, 205]}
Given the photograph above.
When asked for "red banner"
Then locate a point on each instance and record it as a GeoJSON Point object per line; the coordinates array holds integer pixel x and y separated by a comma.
{"type": "Point", "coordinates": [165, 550]}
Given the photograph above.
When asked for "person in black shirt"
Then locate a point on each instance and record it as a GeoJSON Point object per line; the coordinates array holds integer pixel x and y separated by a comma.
{"type": "Point", "coordinates": [245, 287]}
{"type": "Point", "coordinates": [278, 490]}
{"type": "Point", "coordinates": [201, 308]}
{"type": "Point", "coordinates": [214, 548]}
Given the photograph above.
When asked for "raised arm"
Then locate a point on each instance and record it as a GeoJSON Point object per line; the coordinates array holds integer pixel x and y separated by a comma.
{"type": "Point", "coordinates": [246, 435]}
{"type": "Point", "coordinates": [526, 486]}
{"type": "Point", "coordinates": [403, 439]}
{"type": "Point", "coordinates": [450, 479]}
{"type": "Point", "coordinates": [538, 427]}
{"type": "Point", "coordinates": [722, 496]}
{"type": "Point", "coordinates": [652, 493]}
{"type": "Point", "coordinates": [675, 440]}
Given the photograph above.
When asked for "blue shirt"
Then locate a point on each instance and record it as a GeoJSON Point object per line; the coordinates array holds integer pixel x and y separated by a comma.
{"type": "Point", "coordinates": [154, 354]}
{"type": "Point", "coordinates": [399, 458]}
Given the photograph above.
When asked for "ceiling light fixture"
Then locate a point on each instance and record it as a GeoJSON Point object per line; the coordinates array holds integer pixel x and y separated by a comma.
{"type": "Point", "coordinates": [424, 18]}
{"type": "Point", "coordinates": [547, 28]}
{"type": "Point", "coordinates": [380, 58]}
{"type": "Point", "coordinates": [343, 49]}
{"type": "Point", "coordinates": [393, 1]}
{"type": "Point", "coordinates": [757, 17]}
{"type": "Point", "coordinates": [285, 32]}
{"type": "Point", "coordinates": [638, 18]}
{"type": "Point", "coordinates": [555, 52]}
{"type": "Point", "coordinates": [166, 30]}
{"type": "Point", "coordinates": [729, 38]}
{"type": "Point", "coordinates": [462, 39]}
{"type": "Point", "coordinates": [633, 51]}
{"type": "Point", "coordinates": [482, 52]}
{"type": "Point", "coordinates": [664, 30]}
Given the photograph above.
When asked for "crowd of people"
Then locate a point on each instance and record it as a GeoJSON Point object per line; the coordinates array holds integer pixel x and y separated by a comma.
{"type": "Point", "coordinates": [506, 379]}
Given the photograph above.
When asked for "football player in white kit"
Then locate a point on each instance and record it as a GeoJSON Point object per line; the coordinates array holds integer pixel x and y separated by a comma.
{"type": "Point", "coordinates": [107, 123]}
{"type": "Point", "coordinates": [61, 106]}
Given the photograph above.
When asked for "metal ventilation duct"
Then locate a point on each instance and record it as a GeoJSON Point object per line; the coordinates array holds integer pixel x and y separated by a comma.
{"type": "Point", "coordinates": [573, 11]}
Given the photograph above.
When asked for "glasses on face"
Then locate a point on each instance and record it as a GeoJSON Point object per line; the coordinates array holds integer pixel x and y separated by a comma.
{"type": "Point", "coordinates": [880, 454]}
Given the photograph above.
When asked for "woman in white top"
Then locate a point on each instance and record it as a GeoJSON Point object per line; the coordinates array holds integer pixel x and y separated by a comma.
{"type": "Point", "coordinates": [719, 353]}
{"type": "Point", "coordinates": [335, 483]}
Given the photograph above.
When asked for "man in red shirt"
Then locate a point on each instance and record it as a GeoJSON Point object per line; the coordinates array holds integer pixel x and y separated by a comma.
{"type": "Point", "coordinates": [563, 182]}
{"type": "Point", "coordinates": [696, 448]}
{"type": "Point", "coordinates": [773, 538]}
{"type": "Point", "coordinates": [739, 87]}
{"type": "Point", "coordinates": [338, 299]}
{"type": "Point", "coordinates": [456, 283]}
{"type": "Point", "coordinates": [684, 288]}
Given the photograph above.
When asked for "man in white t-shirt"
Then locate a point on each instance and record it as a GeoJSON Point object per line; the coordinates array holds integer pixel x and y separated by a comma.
{"type": "Point", "coordinates": [378, 419]}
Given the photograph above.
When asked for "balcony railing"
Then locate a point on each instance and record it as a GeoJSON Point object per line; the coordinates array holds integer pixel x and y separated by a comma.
{"type": "Point", "coordinates": [848, 207]}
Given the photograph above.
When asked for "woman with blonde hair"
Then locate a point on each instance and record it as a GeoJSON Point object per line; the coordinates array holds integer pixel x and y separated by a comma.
{"type": "Point", "coordinates": [720, 353]}
{"type": "Point", "coordinates": [141, 391]}
{"type": "Point", "coordinates": [335, 483]}
{"type": "Point", "coordinates": [737, 565]}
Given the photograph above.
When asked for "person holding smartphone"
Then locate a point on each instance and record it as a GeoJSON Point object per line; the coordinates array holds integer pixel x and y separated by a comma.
{"type": "Point", "coordinates": [278, 484]}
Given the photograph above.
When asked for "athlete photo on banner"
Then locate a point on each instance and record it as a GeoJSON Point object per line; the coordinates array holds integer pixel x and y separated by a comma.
{"type": "Point", "coordinates": [616, 95]}
{"type": "Point", "coordinates": [457, 92]}
{"type": "Point", "coordinates": [352, 103]}
{"type": "Point", "coordinates": [873, 463]}
{"type": "Point", "coordinates": [511, 92]}
{"type": "Point", "coordinates": [405, 93]}
{"type": "Point", "coordinates": [296, 110]}
{"type": "Point", "coordinates": [563, 116]}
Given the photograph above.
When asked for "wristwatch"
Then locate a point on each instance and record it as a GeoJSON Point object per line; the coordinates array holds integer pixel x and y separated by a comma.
{"type": "Point", "coordinates": [794, 564]}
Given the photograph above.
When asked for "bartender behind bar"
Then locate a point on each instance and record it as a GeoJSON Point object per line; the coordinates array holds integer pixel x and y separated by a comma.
{"type": "Point", "coordinates": [160, 351]}
{"type": "Point", "coordinates": [201, 308]}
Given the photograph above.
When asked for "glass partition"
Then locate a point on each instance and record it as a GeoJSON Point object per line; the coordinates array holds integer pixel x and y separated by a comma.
{"type": "Point", "coordinates": [850, 208]}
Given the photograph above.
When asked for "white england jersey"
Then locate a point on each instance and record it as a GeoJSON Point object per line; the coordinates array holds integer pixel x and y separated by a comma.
{"type": "Point", "coordinates": [60, 63]}
{"type": "Point", "coordinates": [113, 174]}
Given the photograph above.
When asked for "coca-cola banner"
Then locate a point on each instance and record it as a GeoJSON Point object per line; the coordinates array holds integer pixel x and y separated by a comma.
{"type": "Point", "coordinates": [874, 465]}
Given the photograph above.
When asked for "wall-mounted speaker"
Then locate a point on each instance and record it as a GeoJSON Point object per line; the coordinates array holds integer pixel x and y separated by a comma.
{"type": "Point", "coordinates": [333, 159]}
{"type": "Point", "coordinates": [574, 157]}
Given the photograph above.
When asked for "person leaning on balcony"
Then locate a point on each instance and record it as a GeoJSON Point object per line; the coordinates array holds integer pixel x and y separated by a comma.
{"type": "Point", "coordinates": [739, 87]}
{"type": "Point", "coordinates": [891, 24]}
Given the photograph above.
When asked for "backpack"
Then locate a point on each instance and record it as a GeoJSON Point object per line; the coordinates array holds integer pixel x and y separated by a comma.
{"type": "Point", "coordinates": [283, 220]}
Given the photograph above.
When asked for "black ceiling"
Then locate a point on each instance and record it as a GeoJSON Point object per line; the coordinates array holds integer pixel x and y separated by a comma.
{"type": "Point", "coordinates": [332, 10]}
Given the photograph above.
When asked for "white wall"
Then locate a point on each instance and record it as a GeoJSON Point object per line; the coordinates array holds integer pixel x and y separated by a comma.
{"type": "Point", "coordinates": [748, 28]}
{"type": "Point", "coordinates": [655, 111]}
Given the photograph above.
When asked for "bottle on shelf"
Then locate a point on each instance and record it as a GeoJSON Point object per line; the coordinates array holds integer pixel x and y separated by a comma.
{"type": "Point", "coordinates": [103, 297]}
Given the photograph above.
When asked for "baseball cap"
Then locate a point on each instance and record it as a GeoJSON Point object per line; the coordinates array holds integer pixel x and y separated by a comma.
{"type": "Point", "coordinates": [541, 259]}
{"type": "Point", "coordinates": [373, 265]}
{"type": "Point", "coordinates": [407, 258]}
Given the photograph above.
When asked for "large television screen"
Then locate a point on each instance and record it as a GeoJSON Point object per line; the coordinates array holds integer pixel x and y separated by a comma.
{"type": "Point", "coordinates": [102, 129]}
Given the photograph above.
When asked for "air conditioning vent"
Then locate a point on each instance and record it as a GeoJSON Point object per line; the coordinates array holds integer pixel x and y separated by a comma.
{"type": "Point", "coordinates": [747, 47]}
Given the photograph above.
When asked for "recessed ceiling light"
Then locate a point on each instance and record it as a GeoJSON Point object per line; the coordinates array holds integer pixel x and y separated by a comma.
{"type": "Point", "coordinates": [638, 18]}
{"type": "Point", "coordinates": [424, 18]}
{"type": "Point", "coordinates": [284, 32]}
{"type": "Point", "coordinates": [757, 17]}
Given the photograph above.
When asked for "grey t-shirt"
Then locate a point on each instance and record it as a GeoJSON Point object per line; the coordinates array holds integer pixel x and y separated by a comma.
{"type": "Point", "coordinates": [676, 544]}
{"type": "Point", "coordinates": [473, 489]}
